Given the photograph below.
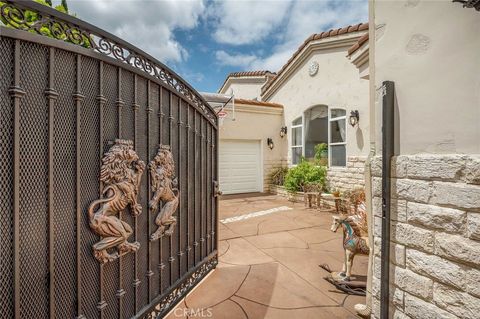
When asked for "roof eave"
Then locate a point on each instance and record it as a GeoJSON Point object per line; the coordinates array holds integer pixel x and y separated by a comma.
{"type": "Point", "coordinates": [230, 79]}
{"type": "Point", "coordinates": [343, 40]}
{"type": "Point", "coordinates": [360, 56]}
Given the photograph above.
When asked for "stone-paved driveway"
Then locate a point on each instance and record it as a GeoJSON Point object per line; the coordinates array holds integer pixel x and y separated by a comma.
{"type": "Point", "coordinates": [269, 266]}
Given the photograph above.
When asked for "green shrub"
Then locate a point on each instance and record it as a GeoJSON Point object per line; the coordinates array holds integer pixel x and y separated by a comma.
{"type": "Point", "coordinates": [304, 173]}
{"type": "Point", "coordinates": [277, 175]}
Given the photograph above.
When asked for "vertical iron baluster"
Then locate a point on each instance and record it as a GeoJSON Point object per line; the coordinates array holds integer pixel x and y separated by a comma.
{"type": "Point", "coordinates": [135, 106]}
{"type": "Point", "coordinates": [171, 259]}
{"type": "Point", "coordinates": [208, 188]}
{"type": "Point", "coordinates": [198, 200]}
{"type": "Point", "coordinates": [205, 186]}
{"type": "Point", "coordinates": [101, 102]}
{"type": "Point", "coordinates": [120, 103]}
{"type": "Point", "coordinates": [149, 191]}
{"type": "Point", "coordinates": [78, 97]}
{"type": "Point", "coordinates": [212, 190]}
{"type": "Point", "coordinates": [195, 193]}
{"type": "Point", "coordinates": [202, 190]}
{"type": "Point", "coordinates": [51, 95]}
{"type": "Point", "coordinates": [187, 130]}
{"type": "Point", "coordinates": [161, 264]}
{"type": "Point", "coordinates": [217, 143]}
{"type": "Point", "coordinates": [16, 92]}
{"type": "Point", "coordinates": [180, 186]}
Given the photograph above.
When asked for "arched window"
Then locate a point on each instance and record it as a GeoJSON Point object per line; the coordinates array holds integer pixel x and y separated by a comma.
{"type": "Point", "coordinates": [317, 126]}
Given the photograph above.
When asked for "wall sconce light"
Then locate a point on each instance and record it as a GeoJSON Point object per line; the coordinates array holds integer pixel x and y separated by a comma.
{"type": "Point", "coordinates": [354, 118]}
{"type": "Point", "coordinates": [283, 131]}
{"type": "Point", "coordinates": [270, 143]}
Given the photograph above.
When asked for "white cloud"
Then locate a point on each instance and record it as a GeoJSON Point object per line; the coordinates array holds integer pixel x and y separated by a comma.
{"type": "Point", "coordinates": [244, 22]}
{"type": "Point", "coordinates": [146, 24]}
{"type": "Point", "coordinates": [304, 18]}
{"type": "Point", "coordinates": [239, 60]}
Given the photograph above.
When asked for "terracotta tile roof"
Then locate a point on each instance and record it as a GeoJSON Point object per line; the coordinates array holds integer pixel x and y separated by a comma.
{"type": "Point", "coordinates": [250, 73]}
{"type": "Point", "coordinates": [258, 103]}
{"type": "Point", "coordinates": [316, 36]}
{"type": "Point", "coordinates": [266, 73]}
{"type": "Point", "coordinates": [358, 45]}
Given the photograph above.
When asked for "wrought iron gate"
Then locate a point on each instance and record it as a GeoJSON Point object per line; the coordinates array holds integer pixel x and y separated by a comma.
{"type": "Point", "coordinates": [64, 100]}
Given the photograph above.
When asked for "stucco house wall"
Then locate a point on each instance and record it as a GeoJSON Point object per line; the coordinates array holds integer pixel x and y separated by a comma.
{"type": "Point", "coordinates": [258, 123]}
{"type": "Point", "coordinates": [246, 84]}
{"type": "Point", "coordinates": [337, 84]}
{"type": "Point", "coordinates": [430, 49]}
{"type": "Point", "coordinates": [245, 88]}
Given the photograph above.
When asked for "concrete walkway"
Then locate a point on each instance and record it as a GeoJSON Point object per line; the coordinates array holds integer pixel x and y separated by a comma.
{"type": "Point", "coordinates": [269, 265]}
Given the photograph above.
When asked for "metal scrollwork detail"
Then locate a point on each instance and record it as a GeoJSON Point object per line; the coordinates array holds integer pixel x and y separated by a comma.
{"type": "Point", "coordinates": [120, 174]}
{"type": "Point", "coordinates": [36, 22]}
{"type": "Point", "coordinates": [178, 293]}
{"type": "Point", "coordinates": [22, 16]}
{"type": "Point", "coordinates": [165, 188]}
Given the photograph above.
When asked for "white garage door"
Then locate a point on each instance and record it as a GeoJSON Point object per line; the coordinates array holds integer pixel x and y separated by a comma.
{"type": "Point", "coordinates": [240, 166]}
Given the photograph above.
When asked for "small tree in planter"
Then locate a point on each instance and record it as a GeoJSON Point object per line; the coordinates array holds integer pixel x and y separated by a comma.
{"type": "Point", "coordinates": [321, 154]}
{"type": "Point", "coordinates": [304, 173]}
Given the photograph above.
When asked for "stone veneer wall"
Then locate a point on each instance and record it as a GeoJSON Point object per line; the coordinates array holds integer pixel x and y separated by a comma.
{"type": "Point", "coordinates": [435, 251]}
{"type": "Point", "coordinates": [346, 178]}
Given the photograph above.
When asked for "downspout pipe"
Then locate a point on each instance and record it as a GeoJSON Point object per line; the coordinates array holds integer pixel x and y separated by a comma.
{"type": "Point", "coordinates": [388, 107]}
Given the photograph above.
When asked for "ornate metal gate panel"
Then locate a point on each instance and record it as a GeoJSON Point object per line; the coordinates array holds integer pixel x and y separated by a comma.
{"type": "Point", "coordinates": [65, 100]}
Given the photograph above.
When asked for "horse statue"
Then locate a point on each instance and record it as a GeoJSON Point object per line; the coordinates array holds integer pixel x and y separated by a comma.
{"type": "Point", "coordinates": [353, 241]}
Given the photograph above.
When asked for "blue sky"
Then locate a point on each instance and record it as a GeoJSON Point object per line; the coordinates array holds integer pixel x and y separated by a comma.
{"type": "Point", "coordinates": [203, 40]}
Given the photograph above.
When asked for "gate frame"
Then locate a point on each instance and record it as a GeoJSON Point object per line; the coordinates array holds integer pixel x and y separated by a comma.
{"type": "Point", "coordinates": [138, 62]}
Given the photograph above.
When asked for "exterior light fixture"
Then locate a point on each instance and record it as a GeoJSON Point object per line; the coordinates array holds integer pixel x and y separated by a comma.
{"type": "Point", "coordinates": [270, 143]}
{"type": "Point", "coordinates": [283, 131]}
{"type": "Point", "coordinates": [354, 118]}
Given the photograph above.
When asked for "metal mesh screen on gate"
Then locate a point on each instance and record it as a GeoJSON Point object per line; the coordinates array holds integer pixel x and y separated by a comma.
{"type": "Point", "coordinates": [66, 104]}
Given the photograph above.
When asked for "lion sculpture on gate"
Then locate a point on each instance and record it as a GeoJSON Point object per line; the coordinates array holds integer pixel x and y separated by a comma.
{"type": "Point", "coordinates": [165, 188]}
{"type": "Point", "coordinates": [120, 174]}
